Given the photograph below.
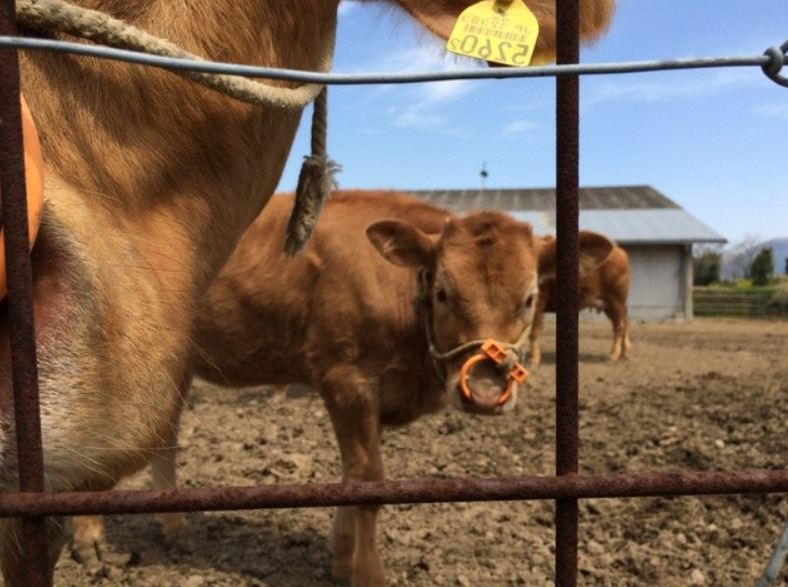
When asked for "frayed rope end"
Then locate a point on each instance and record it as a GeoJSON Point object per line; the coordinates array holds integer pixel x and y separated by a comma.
{"type": "Point", "coordinates": [315, 183]}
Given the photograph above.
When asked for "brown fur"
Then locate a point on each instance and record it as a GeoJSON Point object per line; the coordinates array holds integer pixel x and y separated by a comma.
{"type": "Point", "coordinates": [604, 289]}
{"type": "Point", "coordinates": [341, 318]}
{"type": "Point", "coordinates": [150, 181]}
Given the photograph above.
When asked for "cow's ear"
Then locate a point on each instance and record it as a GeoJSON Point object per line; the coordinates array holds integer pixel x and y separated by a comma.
{"type": "Point", "coordinates": [545, 253]}
{"type": "Point", "coordinates": [401, 243]}
{"type": "Point", "coordinates": [540, 242]}
{"type": "Point", "coordinates": [439, 16]}
{"type": "Point", "coordinates": [594, 249]}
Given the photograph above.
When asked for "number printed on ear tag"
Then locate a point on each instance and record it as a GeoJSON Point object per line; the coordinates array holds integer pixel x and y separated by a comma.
{"type": "Point", "coordinates": [496, 30]}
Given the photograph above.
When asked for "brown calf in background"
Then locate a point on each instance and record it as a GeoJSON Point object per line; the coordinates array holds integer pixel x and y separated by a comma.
{"type": "Point", "coordinates": [605, 290]}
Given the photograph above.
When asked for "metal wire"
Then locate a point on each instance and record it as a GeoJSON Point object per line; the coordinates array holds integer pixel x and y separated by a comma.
{"type": "Point", "coordinates": [771, 62]}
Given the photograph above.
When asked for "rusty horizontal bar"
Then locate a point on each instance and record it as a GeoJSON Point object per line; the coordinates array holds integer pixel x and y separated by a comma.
{"type": "Point", "coordinates": [395, 492]}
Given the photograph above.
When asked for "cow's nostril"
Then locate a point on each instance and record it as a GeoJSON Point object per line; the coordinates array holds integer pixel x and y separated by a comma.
{"type": "Point", "coordinates": [486, 383]}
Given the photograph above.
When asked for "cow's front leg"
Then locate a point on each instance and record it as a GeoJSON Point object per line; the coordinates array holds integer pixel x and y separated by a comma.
{"type": "Point", "coordinates": [11, 556]}
{"type": "Point", "coordinates": [615, 350]}
{"type": "Point", "coordinates": [352, 403]}
{"type": "Point", "coordinates": [620, 346]}
{"type": "Point", "coordinates": [88, 534]}
{"type": "Point", "coordinates": [624, 334]}
{"type": "Point", "coordinates": [164, 466]}
{"type": "Point", "coordinates": [343, 543]}
{"type": "Point", "coordinates": [88, 539]}
{"type": "Point", "coordinates": [535, 351]}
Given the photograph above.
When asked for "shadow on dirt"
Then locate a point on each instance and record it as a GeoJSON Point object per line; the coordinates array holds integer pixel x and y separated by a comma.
{"type": "Point", "coordinates": [228, 542]}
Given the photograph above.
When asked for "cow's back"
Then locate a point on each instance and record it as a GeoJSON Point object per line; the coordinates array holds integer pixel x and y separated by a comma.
{"type": "Point", "coordinates": [273, 319]}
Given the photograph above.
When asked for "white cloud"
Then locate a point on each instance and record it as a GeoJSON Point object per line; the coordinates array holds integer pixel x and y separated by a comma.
{"type": "Point", "coordinates": [423, 106]}
{"type": "Point", "coordinates": [433, 92]}
{"type": "Point", "coordinates": [666, 88]}
{"type": "Point", "coordinates": [347, 6]}
{"type": "Point", "coordinates": [424, 59]}
{"type": "Point", "coordinates": [420, 105]}
{"type": "Point", "coordinates": [779, 110]}
{"type": "Point", "coordinates": [418, 117]}
{"type": "Point", "coordinates": [517, 129]}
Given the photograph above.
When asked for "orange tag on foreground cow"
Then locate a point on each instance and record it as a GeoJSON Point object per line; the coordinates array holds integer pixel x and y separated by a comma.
{"type": "Point", "coordinates": [496, 30]}
{"type": "Point", "coordinates": [34, 186]}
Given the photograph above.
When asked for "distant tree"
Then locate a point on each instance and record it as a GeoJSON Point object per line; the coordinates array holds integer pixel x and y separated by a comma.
{"type": "Point", "coordinates": [740, 256]}
{"type": "Point", "coordinates": [761, 269]}
{"type": "Point", "coordinates": [786, 266]}
{"type": "Point", "coordinates": [706, 267]}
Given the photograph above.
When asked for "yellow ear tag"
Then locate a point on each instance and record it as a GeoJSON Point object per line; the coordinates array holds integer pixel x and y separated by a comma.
{"type": "Point", "coordinates": [496, 30]}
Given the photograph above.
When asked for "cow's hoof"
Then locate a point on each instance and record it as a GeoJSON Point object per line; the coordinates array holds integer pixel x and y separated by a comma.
{"type": "Point", "coordinates": [87, 554]}
{"type": "Point", "coordinates": [372, 577]}
{"type": "Point", "coordinates": [342, 568]}
{"type": "Point", "coordinates": [173, 526]}
{"type": "Point", "coordinates": [87, 540]}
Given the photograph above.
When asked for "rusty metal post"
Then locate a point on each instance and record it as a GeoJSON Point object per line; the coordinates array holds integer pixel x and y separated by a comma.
{"type": "Point", "coordinates": [567, 212]}
{"type": "Point", "coordinates": [20, 303]}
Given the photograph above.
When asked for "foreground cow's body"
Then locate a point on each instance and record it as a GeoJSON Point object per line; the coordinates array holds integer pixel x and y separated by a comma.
{"type": "Point", "coordinates": [149, 183]}
{"type": "Point", "coordinates": [605, 290]}
{"type": "Point", "coordinates": [341, 318]}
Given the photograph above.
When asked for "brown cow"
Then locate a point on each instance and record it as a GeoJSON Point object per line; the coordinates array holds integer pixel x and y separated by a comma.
{"type": "Point", "coordinates": [341, 317]}
{"type": "Point", "coordinates": [149, 183]}
{"type": "Point", "coordinates": [605, 290]}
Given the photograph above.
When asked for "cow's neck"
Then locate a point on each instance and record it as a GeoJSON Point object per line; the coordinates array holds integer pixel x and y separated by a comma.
{"type": "Point", "coordinates": [433, 373]}
{"type": "Point", "coordinates": [153, 147]}
{"type": "Point", "coordinates": [261, 32]}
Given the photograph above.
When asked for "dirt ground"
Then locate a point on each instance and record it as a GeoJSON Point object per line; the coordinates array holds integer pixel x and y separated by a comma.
{"type": "Point", "coordinates": [708, 395]}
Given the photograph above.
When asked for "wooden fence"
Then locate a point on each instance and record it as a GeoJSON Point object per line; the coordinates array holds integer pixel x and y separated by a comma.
{"type": "Point", "coordinates": [721, 302]}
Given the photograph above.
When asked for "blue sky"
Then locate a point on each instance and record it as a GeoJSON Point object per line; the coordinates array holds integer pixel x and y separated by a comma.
{"type": "Point", "coordinates": [715, 141]}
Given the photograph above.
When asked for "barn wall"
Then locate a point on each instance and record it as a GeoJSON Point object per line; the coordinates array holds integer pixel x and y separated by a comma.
{"type": "Point", "coordinates": [657, 288]}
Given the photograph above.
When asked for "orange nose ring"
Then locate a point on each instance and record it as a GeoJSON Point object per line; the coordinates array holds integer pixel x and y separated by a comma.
{"type": "Point", "coordinates": [492, 351]}
{"type": "Point", "coordinates": [34, 180]}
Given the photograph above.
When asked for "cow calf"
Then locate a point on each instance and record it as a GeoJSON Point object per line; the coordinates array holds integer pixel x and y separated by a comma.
{"type": "Point", "coordinates": [604, 289]}
{"type": "Point", "coordinates": [380, 315]}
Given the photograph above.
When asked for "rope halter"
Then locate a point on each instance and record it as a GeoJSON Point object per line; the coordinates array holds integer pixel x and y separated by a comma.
{"type": "Point", "coordinates": [504, 356]}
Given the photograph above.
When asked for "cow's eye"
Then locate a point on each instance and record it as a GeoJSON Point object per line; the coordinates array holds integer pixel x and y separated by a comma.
{"type": "Point", "coordinates": [441, 296]}
{"type": "Point", "coordinates": [527, 304]}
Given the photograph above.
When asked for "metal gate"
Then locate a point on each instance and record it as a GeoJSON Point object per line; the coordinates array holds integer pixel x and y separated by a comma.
{"type": "Point", "coordinates": [32, 504]}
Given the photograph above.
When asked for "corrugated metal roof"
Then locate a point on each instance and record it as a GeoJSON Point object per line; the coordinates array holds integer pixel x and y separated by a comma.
{"type": "Point", "coordinates": [627, 214]}
{"type": "Point", "coordinates": [633, 226]}
{"type": "Point", "coordinates": [517, 200]}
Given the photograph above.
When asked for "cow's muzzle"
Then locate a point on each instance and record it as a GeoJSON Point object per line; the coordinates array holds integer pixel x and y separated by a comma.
{"type": "Point", "coordinates": [489, 376]}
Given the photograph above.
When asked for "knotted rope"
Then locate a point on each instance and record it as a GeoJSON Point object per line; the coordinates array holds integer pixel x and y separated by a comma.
{"type": "Point", "coordinates": [777, 58]}
{"type": "Point", "coordinates": [58, 16]}
{"type": "Point", "coordinates": [316, 179]}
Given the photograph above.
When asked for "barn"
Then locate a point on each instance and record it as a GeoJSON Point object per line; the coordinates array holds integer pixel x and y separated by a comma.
{"type": "Point", "coordinates": [655, 231]}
